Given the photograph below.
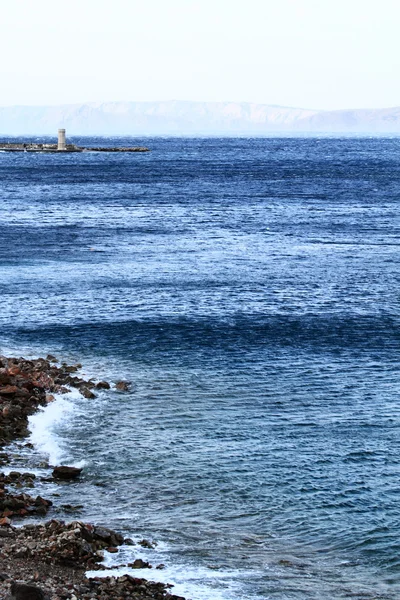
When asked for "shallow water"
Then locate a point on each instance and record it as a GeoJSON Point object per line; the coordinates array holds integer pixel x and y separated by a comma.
{"type": "Point", "coordinates": [249, 289]}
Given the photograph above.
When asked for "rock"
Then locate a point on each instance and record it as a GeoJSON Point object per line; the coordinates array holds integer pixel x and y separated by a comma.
{"type": "Point", "coordinates": [51, 358]}
{"type": "Point", "coordinates": [139, 564]}
{"type": "Point", "coordinates": [147, 544]}
{"type": "Point", "coordinates": [5, 378]}
{"type": "Point", "coordinates": [66, 473]}
{"type": "Point", "coordinates": [23, 591]}
{"type": "Point", "coordinates": [39, 501]}
{"type": "Point", "coordinates": [110, 537]}
{"type": "Point", "coordinates": [87, 393]}
{"type": "Point", "coordinates": [49, 398]}
{"type": "Point", "coordinates": [123, 386]}
{"type": "Point", "coordinates": [103, 385]}
{"type": "Point", "coordinates": [8, 390]}
{"type": "Point", "coordinates": [15, 370]}
{"type": "Point", "coordinates": [129, 542]}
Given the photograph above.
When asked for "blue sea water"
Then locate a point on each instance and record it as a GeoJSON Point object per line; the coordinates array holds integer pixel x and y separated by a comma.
{"type": "Point", "coordinates": [249, 290]}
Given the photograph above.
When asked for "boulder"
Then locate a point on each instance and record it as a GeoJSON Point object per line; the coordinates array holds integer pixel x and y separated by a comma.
{"type": "Point", "coordinates": [66, 473]}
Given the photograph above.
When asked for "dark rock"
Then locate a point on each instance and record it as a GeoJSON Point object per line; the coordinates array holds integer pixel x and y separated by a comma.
{"type": "Point", "coordinates": [129, 542]}
{"type": "Point", "coordinates": [147, 544]}
{"type": "Point", "coordinates": [64, 472]}
{"type": "Point", "coordinates": [23, 591]}
{"type": "Point", "coordinates": [87, 393]}
{"type": "Point", "coordinates": [6, 533]}
{"type": "Point", "coordinates": [103, 385]}
{"type": "Point", "coordinates": [110, 537]}
{"type": "Point", "coordinates": [139, 564]}
{"type": "Point", "coordinates": [5, 378]}
{"type": "Point", "coordinates": [39, 501]}
{"type": "Point", "coordinates": [69, 369]}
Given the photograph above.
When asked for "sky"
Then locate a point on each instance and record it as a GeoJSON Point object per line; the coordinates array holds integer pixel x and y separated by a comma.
{"type": "Point", "coordinates": [321, 54]}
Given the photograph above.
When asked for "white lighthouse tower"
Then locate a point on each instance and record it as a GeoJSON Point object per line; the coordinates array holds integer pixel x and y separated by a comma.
{"type": "Point", "coordinates": [61, 140]}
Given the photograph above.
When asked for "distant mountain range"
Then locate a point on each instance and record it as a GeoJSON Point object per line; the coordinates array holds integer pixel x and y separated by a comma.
{"type": "Point", "coordinates": [191, 118]}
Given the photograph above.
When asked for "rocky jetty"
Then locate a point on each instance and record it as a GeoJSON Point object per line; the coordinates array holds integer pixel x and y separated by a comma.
{"type": "Point", "coordinates": [115, 149]}
{"type": "Point", "coordinates": [49, 559]}
{"type": "Point", "coordinates": [36, 147]}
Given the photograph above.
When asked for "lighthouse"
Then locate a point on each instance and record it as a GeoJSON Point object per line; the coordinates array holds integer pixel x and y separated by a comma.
{"type": "Point", "coordinates": [61, 140]}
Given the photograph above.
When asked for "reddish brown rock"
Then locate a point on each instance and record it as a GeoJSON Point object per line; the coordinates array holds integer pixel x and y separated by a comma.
{"type": "Point", "coordinates": [8, 390]}
{"type": "Point", "coordinates": [123, 386]}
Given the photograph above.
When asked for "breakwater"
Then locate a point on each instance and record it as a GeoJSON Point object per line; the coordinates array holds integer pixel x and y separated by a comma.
{"type": "Point", "coordinates": [35, 147]}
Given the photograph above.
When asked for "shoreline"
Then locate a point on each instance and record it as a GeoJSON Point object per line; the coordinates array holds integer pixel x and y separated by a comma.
{"type": "Point", "coordinates": [52, 554]}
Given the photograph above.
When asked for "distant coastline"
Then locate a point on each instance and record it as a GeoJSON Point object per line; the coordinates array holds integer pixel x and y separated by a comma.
{"type": "Point", "coordinates": [177, 118]}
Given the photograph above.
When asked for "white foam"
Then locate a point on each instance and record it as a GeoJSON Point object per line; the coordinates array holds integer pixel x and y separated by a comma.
{"type": "Point", "coordinates": [43, 426]}
{"type": "Point", "coordinates": [190, 581]}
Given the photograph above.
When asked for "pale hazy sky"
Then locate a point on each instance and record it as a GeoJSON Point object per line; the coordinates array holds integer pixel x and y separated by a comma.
{"type": "Point", "coordinates": [306, 53]}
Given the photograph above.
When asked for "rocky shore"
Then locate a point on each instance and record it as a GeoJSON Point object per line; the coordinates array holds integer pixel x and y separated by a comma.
{"type": "Point", "coordinates": [50, 557]}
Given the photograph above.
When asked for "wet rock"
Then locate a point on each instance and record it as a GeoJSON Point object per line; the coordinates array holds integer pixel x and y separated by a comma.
{"type": "Point", "coordinates": [147, 544]}
{"type": "Point", "coordinates": [108, 536]}
{"type": "Point", "coordinates": [87, 393]}
{"type": "Point", "coordinates": [123, 386]}
{"type": "Point", "coordinates": [66, 473]}
{"type": "Point", "coordinates": [129, 542]}
{"type": "Point", "coordinates": [139, 564]}
{"type": "Point", "coordinates": [103, 385]}
{"type": "Point", "coordinates": [70, 368]}
{"type": "Point", "coordinates": [39, 501]}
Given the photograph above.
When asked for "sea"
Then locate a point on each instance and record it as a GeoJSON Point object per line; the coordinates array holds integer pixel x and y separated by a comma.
{"type": "Point", "coordinates": [249, 290]}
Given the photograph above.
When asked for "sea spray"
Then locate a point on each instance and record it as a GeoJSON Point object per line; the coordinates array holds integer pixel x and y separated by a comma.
{"type": "Point", "coordinates": [44, 426]}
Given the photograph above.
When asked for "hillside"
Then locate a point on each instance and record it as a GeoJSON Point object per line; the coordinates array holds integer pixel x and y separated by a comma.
{"type": "Point", "coordinates": [191, 118]}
